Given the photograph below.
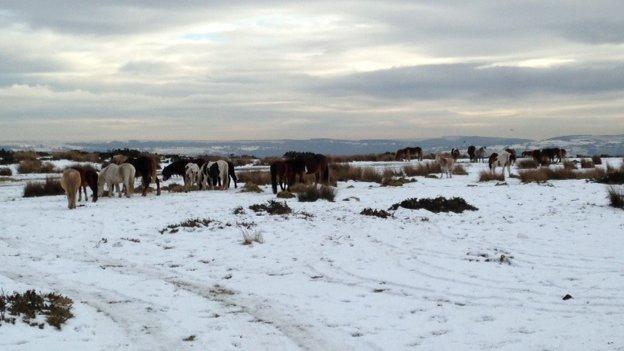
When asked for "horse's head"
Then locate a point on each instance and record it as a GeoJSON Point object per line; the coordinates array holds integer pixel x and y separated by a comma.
{"type": "Point", "coordinates": [166, 173]}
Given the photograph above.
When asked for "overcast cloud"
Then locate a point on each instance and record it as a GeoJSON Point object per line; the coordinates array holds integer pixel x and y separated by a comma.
{"type": "Point", "coordinates": [219, 70]}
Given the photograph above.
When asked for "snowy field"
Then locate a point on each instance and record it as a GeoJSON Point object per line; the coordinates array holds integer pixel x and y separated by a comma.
{"type": "Point", "coordinates": [326, 277]}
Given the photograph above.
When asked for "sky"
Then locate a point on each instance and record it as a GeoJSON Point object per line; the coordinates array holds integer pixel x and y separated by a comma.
{"type": "Point", "coordinates": [230, 70]}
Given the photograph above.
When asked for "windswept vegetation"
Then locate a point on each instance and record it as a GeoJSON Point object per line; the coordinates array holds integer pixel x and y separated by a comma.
{"type": "Point", "coordinates": [50, 187]}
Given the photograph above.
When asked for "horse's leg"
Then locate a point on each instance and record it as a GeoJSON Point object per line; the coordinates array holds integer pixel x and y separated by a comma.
{"type": "Point", "coordinates": [146, 182]}
{"type": "Point", "coordinates": [157, 185]}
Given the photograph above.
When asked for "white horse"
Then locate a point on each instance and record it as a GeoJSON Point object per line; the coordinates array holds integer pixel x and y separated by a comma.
{"type": "Point", "coordinates": [191, 175]}
{"type": "Point", "coordinates": [213, 173]}
{"type": "Point", "coordinates": [500, 160]}
{"type": "Point", "coordinates": [113, 174]}
{"type": "Point", "coordinates": [447, 163]}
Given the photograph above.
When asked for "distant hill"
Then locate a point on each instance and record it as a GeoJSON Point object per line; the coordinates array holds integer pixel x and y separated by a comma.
{"type": "Point", "coordinates": [575, 144]}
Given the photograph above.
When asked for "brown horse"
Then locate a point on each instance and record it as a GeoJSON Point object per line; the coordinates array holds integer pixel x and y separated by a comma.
{"type": "Point", "coordinates": [408, 152]}
{"type": "Point", "coordinates": [285, 173]}
{"type": "Point", "coordinates": [70, 182]}
{"type": "Point", "coordinates": [309, 163]}
{"type": "Point", "coordinates": [88, 177]}
{"type": "Point", "coordinates": [145, 166]}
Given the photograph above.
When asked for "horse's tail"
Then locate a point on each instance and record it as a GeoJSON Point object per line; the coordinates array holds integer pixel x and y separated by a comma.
{"type": "Point", "coordinates": [130, 189]}
{"type": "Point", "coordinates": [232, 174]}
{"type": "Point", "coordinates": [273, 169]}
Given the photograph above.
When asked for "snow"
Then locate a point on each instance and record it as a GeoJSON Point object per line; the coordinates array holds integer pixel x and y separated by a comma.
{"type": "Point", "coordinates": [336, 280]}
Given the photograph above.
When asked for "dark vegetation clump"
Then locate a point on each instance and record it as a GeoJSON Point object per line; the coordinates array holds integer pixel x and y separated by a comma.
{"type": "Point", "coordinates": [255, 177]}
{"type": "Point", "coordinates": [6, 157]}
{"type": "Point", "coordinates": [616, 197]}
{"type": "Point", "coordinates": [238, 210]}
{"type": "Point", "coordinates": [613, 175]}
{"type": "Point", "coordinates": [527, 164]}
{"type": "Point", "coordinates": [76, 155]}
{"type": "Point", "coordinates": [285, 194]}
{"type": "Point", "coordinates": [5, 172]}
{"type": "Point", "coordinates": [459, 170]}
{"type": "Point", "coordinates": [50, 187]}
{"type": "Point", "coordinates": [437, 205]}
{"type": "Point", "coordinates": [597, 160]}
{"type": "Point", "coordinates": [29, 305]}
{"type": "Point", "coordinates": [189, 223]}
{"type": "Point", "coordinates": [569, 165]}
{"type": "Point", "coordinates": [312, 193]}
{"type": "Point", "coordinates": [545, 173]}
{"type": "Point", "coordinates": [391, 181]}
{"type": "Point", "coordinates": [376, 213]}
{"type": "Point", "coordinates": [36, 166]}
{"type": "Point", "coordinates": [251, 187]}
{"type": "Point", "coordinates": [587, 163]}
{"type": "Point", "coordinates": [486, 176]}
{"type": "Point", "coordinates": [422, 169]}
{"type": "Point", "coordinates": [345, 172]}
{"type": "Point", "coordinates": [272, 207]}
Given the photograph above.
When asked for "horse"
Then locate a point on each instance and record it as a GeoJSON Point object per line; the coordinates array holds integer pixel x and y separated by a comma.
{"type": "Point", "coordinates": [455, 154]}
{"type": "Point", "coordinates": [527, 153]}
{"type": "Point", "coordinates": [551, 153]}
{"type": "Point", "coordinates": [178, 168]}
{"type": "Point", "coordinates": [215, 174]}
{"type": "Point", "coordinates": [70, 182]}
{"type": "Point", "coordinates": [114, 174]}
{"type": "Point", "coordinates": [471, 153]}
{"type": "Point", "coordinates": [538, 157]}
{"type": "Point", "coordinates": [191, 174]}
{"type": "Point", "coordinates": [480, 154]}
{"type": "Point", "coordinates": [278, 174]}
{"type": "Point", "coordinates": [562, 154]}
{"type": "Point", "coordinates": [446, 163]}
{"type": "Point", "coordinates": [512, 157]}
{"type": "Point", "coordinates": [88, 177]}
{"type": "Point", "coordinates": [407, 153]}
{"type": "Point", "coordinates": [312, 163]}
{"type": "Point", "coordinates": [146, 167]}
{"type": "Point", "coordinates": [500, 160]}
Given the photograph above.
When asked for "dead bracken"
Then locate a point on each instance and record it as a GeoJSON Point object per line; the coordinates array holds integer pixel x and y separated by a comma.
{"type": "Point", "coordinates": [272, 207]}
{"type": "Point", "coordinates": [376, 213]}
{"type": "Point", "coordinates": [189, 223]}
{"type": "Point", "coordinates": [30, 305]}
{"type": "Point", "coordinates": [439, 204]}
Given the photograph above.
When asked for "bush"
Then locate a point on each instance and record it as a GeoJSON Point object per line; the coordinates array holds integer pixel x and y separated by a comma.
{"type": "Point", "coordinates": [396, 181]}
{"type": "Point", "coordinates": [250, 187]}
{"type": "Point", "coordinates": [569, 165]}
{"type": "Point", "coordinates": [616, 197]}
{"type": "Point", "coordinates": [344, 173]}
{"type": "Point", "coordinates": [613, 175]}
{"type": "Point", "coordinates": [30, 306]}
{"type": "Point", "coordinates": [5, 171]}
{"type": "Point", "coordinates": [312, 193]}
{"type": "Point", "coordinates": [273, 208]}
{"type": "Point", "coordinates": [439, 204]}
{"type": "Point", "coordinates": [422, 169]}
{"type": "Point", "coordinates": [285, 194]}
{"type": "Point", "coordinates": [376, 213]}
{"type": "Point", "coordinates": [487, 176]}
{"type": "Point", "coordinates": [76, 155]}
{"type": "Point", "coordinates": [545, 173]}
{"type": "Point", "coordinates": [587, 163]}
{"type": "Point", "coordinates": [25, 155]}
{"type": "Point", "coordinates": [255, 177]}
{"type": "Point", "coordinates": [527, 164]}
{"type": "Point", "coordinates": [35, 166]}
{"type": "Point", "coordinates": [596, 160]}
{"type": "Point", "coordinates": [50, 187]}
{"type": "Point", "coordinates": [459, 170]}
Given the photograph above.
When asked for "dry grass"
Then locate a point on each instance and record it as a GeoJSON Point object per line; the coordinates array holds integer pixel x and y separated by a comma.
{"type": "Point", "coordinates": [616, 197]}
{"type": "Point", "coordinates": [50, 187]}
{"type": "Point", "coordinates": [376, 213]}
{"type": "Point", "coordinates": [313, 193]}
{"type": "Point", "coordinates": [613, 175]}
{"type": "Point", "coordinates": [569, 165]}
{"type": "Point", "coordinates": [75, 155]}
{"type": "Point", "coordinates": [30, 306]}
{"type": "Point", "coordinates": [36, 166]}
{"type": "Point", "coordinates": [597, 160]}
{"type": "Point", "coordinates": [487, 176]}
{"type": "Point", "coordinates": [545, 173]}
{"type": "Point", "coordinates": [395, 181]}
{"type": "Point", "coordinates": [285, 194]}
{"type": "Point", "coordinates": [5, 172]}
{"type": "Point", "coordinates": [25, 155]}
{"type": "Point", "coordinates": [343, 173]}
{"type": "Point", "coordinates": [272, 207]}
{"type": "Point", "coordinates": [250, 187]}
{"type": "Point", "coordinates": [255, 177]}
{"type": "Point", "coordinates": [587, 163]}
{"type": "Point", "coordinates": [422, 169]}
{"type": "Point", "coordinates": [527, 164]}
{"type": "Point", "coordinates": [439, 204]}
{"type": "Point", "coordinates": [459, 170]}
{"type": "Point", "coordinates": [383, 157]}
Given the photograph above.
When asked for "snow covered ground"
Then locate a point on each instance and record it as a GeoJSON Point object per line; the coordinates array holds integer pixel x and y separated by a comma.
{"type": "Point", "coordinates": [326, 277]}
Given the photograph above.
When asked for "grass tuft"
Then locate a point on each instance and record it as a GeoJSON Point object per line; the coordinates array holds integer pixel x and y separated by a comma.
{"type": "Point", "coordinates": [50, 187]}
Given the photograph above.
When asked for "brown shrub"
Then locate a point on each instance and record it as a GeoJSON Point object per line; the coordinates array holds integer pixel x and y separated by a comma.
{"type": "Point", "coordinates": [587, 163]}
{"type": "Point", "coordinates": [312, 193]}
{"type": "Point", "coordinates": [6, 172]}
{"type": "Point", "coordinates": [285, 194]}
{"type": "Point", "coordinates": [250, 187]}
{"type": "Point", "coordinates": [50, 187]}
{"type": "Point", "coordinates": [25, 155]}
{"type": "Point", "coordinates": [345, 172]}
{"type": "Point", "coordinates": [569, 165]}
{"type": "Point", "coordinates": [543, 174]}
{"type": "Point", "coordinates": [384, 157]}
{"type": "Point", "coordinates": [616, 197]}
{"type": "Point", "coordinates": [613, 175]}
{"type": "Point", "coordinates": [459, 170]}
{"type": "Point", "coordinates": [487, 176]}
{"type": "Point", "coordinates": [272, 207]}
{"type": "Point", "coordinates": [527, 164]}
{"type": "Point", "coordinates": [36, 166]}
{"type": "Point", "coordinates": [439, 204]}
{"type": "Point", "coordinates": [255, 177]}
{"type": "Point", "coordinates": [75, 155]}
{"type": "Point", "coordinates": [422, 169]}
{"type": "Point", "coordinates": [376, 213]}
{"type": "Point", "coordinates": [395, 181]}
{"type": "Point", "coordinates": [596, 160]}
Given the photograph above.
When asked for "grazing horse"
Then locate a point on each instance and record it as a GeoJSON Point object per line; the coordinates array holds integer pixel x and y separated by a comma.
{"type": "Point", "coordinates": [455, 154]}
{"type": "Point", "coordinates": [178, 168]}
{"type": "Point", "coordinates": [114, 174]}
{"type": "Point", "coordinates": [471, 153]}
{"type": "Point", "coordinates": [500, 160]}
{"type": "Point", "coordinates": [550, 153]}
{"type": "Point", "coordinates": [446, 163]}
{"type": "Point", "coordinates": [191, 175]}
{"type": "Point", "coordinates": [537, 156]}
{"type": "Point", "coordinates": [562, 154]}
{"type": "Point", "coordinates": [70, 182]}
{"type": "Point", "coordinates": [88, 177]}
{"type": "Point", "coordinates": [278, 174]}
{"type": "Point", "coordinates": [312, 163]}
{"type": "Point", "coordinates": [407, 153]}
{"type": "Point", "coordinates": [146, 167]}
{"type": "Point", "coordinates": [480, 154]}
{"type": "Point", "coordinates": [512, 155]}
{"type": "Point", "coordinates": [527, 153]}
{"type": "Point", "coordinates": [215, 174]}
